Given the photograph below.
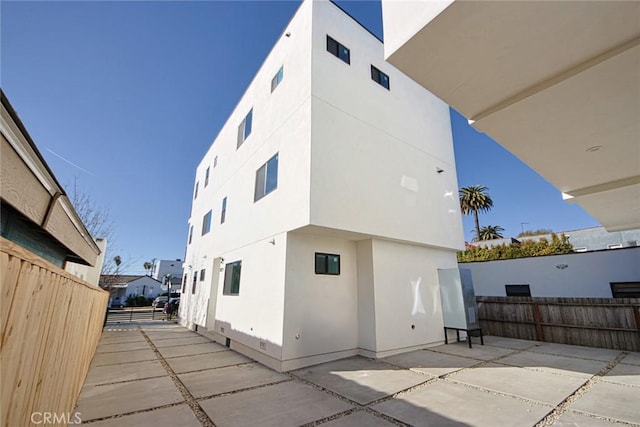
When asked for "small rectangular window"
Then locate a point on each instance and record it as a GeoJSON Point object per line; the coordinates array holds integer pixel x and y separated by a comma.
{"type": "Point", "coordinates": [379, 77]}
{"type": "Point", "coordinates": [244, 130]}
{"type": "Point", "coordinates": [206, 177]}
{"type": "Point", "coordinates": [275, 81]}
{"type": "Point", "coordinates": [195, 282]}
{"type": "Point", "coordinates": [195, 192]}
{"type": "Point", "coordinates": [625, 289]}
{"type": "Point", "coordinates": [327, 264]}
{"type": "Point", "coordinates": [184, 283]}
{"type": "Point", "coordinates": [518, 290]}
{"type": "Point", "coordinates": [215, 161]}
{"type": "Point", "coordinates": [190, 233]}
{"type": "Point", "coordinates": [223, 212]}
{"type": "Point", "coordinates": [266, 178]}
{"type": "Point", "coordinates": [338, 50]}
{"type": "Point", "coordinates": [206, 223]}
{"type": "Point", "coordinates": [202, 274]}
{"type": "Point", "coordinates": [232, 278]}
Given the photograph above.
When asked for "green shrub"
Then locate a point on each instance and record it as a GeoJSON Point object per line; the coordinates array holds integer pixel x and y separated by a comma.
{"type": "Point", "coordinates": [527, 248]}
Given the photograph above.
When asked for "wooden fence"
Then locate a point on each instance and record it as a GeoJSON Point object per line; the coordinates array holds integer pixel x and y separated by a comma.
{"type": "Point", "coordinates": [51, 324]}
{"type": "Point", "coordinates": [595, 322]}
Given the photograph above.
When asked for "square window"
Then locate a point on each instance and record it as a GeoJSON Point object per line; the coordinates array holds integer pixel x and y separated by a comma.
{"type": "Point", "coordinates": [232, 278]}
{"type": "Point", "coordinates": [223, 212]}
{"type": "Point", "coordinates": [266, 178]}
{"type": "Point", "coordinates": [206, 177]}
{"type": "Point", "coordinates": [202, 274]}
{"type": "Point", "coordinates": [275, 81]}
{"type": "Point", "coordinates": [338, 50]}
{"type": "Point", "coordinates": [518, 290]}
{"type": "Point", "coordinates": [379, 77]}
{"type": "Point", "coordinates": [327, 264]}
{"type": "Point", "coordinates": [244, 130]}
{"type": "Point", "coordinates": [206, 223]}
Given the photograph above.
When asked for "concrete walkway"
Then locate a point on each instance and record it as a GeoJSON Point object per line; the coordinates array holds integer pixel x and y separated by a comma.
{"type": "Point", "coordinates": [157, 374]}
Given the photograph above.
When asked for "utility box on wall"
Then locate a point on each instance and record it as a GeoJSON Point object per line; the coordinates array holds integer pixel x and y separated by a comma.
{"type": "Point", "coordinates": [459, 308]}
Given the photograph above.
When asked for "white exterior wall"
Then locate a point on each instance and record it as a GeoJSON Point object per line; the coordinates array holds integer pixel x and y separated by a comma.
{"type": "Point", "coordinates": [85, 272]}
{"type": "Point", "coordinates": [162, 267]}
{"type": "Point", "coordinates": [357, 165]}
{"type": "Point", "coordinates": [321, 311]}
{"type": "Point", "coordinates": [281, 124]}
{"type": "Point", "coordinates": [407, 293]}
{"type": "Point", "coordinates": [375, 151]}
{"type": "Point", "coordinates": [587, 275]}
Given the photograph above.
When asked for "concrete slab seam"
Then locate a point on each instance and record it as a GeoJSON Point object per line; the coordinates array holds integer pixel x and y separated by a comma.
{"type": "Point", "coordinates": [217, 367]}
{"type": "Point", "coordinates": [123, 363]}
{"type": "Point", "coordinates": [242, 390]}
{"type": "Point", "coordinates": [194, 354]}
{"type": "Point", "coordinates": [139, 411]}
{"type": "Point", "coordinates": [359, 406]}
{"type": "Point", "coordinates": [563, 406]}
{"type": "Point", "coordinates": [129, 381]}
{"type": "Point", "coordinates": [199, 413]}
{"type": "Point", "coordinates": [573, 356]}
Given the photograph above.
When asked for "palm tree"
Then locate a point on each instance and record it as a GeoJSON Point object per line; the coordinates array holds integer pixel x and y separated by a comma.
{"type": "Point", "coordinates": [473, 199]}
{"type": "Point", "coordinates": [490, 232]}
{"type": "Point", "coordinates": [148, 266]}
{"type": "Point", "coordinates": [117, 261]}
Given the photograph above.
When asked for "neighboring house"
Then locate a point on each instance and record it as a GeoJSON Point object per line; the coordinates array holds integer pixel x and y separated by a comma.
{"type": "Point", "coordinates": [326, 205]}
{"type": "Point", "coordinates": [596, 238]}
{"type": "Point", "coordinates": [593, 274]}
{"type": "Point", "coordinates": [163, 267]}
{"type": "Point", "coordinates": [123, 286]}
{"type": "Point", "coordinates": [88, 273]}
{"type": "Point", "coordinates": [583, 240]}
{"type": "Point", "coordinates": [36, 212]}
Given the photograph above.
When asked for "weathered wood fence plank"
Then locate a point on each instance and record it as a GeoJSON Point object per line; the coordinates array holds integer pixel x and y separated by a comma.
{"type": "Point", "coordinates": [51, 324]}
{"type": "Point", "coordinates": [596, 322]}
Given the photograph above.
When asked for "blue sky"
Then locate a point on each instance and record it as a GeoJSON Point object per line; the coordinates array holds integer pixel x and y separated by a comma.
{"type": "Point", "coordinates": [124, 98]}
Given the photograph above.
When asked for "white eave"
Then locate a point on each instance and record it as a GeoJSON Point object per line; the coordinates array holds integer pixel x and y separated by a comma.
{"type": "Point", "coordinates": [556, 83]}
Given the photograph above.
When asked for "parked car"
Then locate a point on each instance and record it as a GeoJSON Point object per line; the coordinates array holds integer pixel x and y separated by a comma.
{"type": "Point", "coordinates": [160, 301]}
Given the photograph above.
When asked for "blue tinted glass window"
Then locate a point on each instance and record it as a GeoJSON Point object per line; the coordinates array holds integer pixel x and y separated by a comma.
{"type": "Point", "coordinates": [338, 49]}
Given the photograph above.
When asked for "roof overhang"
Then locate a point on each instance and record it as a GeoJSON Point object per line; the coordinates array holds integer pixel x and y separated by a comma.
{"type": "Point", "coordinates": [555, 83]}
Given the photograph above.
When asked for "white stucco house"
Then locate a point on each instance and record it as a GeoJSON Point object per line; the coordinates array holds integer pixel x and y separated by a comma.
{"type": "Point", "coordinates": [326, 205]}
{"type": "Point", "coordinates": [124, 286]}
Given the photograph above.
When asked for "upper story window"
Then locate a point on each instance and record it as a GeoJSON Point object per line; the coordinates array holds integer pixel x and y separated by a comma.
{"type": "Point", "coordinates": [190, 234]}
{"type": "Point", "coordinates": [379, 77]}
{"type": "Point", "coordinates": [275, 81]}
{"type": "Point", "coordinates": [244, 130]}
{"type": "Point", "coordinates": [517, 290]}
{"type": "Point", "coordinates": [223, 212]}
{"type": "Point", "coordinates": [206, 177]}
{"type": "Point", "coordinates": [215, 161]}
{"type": "Point", "coordinates": [195, 282]}
{"type": "Point", "coordinates": [266, 178]}
{"type": "Point", "coordinates": [339, 50]}
{"type": "Point", "coordinates": [202, 274]}
{"type": "Point", "coordinates": [206, 223]}
{"type": "Point", "coordinates": [195, 192]}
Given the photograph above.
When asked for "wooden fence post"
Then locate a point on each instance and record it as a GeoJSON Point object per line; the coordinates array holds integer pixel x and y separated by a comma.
{"type": "Point", "coordinates": [538, 320]}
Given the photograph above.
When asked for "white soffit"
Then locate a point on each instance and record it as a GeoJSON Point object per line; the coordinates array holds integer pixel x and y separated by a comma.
{"type": "Point", "coordinates": [548, 81]}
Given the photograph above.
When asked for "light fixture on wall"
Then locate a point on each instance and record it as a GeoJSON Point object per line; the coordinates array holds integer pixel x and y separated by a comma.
{"type": "Point", "coordinates": [439, 170]}
{"type": "Point", "coordinates": [561, 266]}
{"type": "Point", "coordinates": [272, 241]}
{"type": "Point", "coordinates": [288, 34]}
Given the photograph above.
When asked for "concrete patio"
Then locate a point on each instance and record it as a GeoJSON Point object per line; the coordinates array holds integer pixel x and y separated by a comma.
{"type": "Point", "coordinates": [155, 374]}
